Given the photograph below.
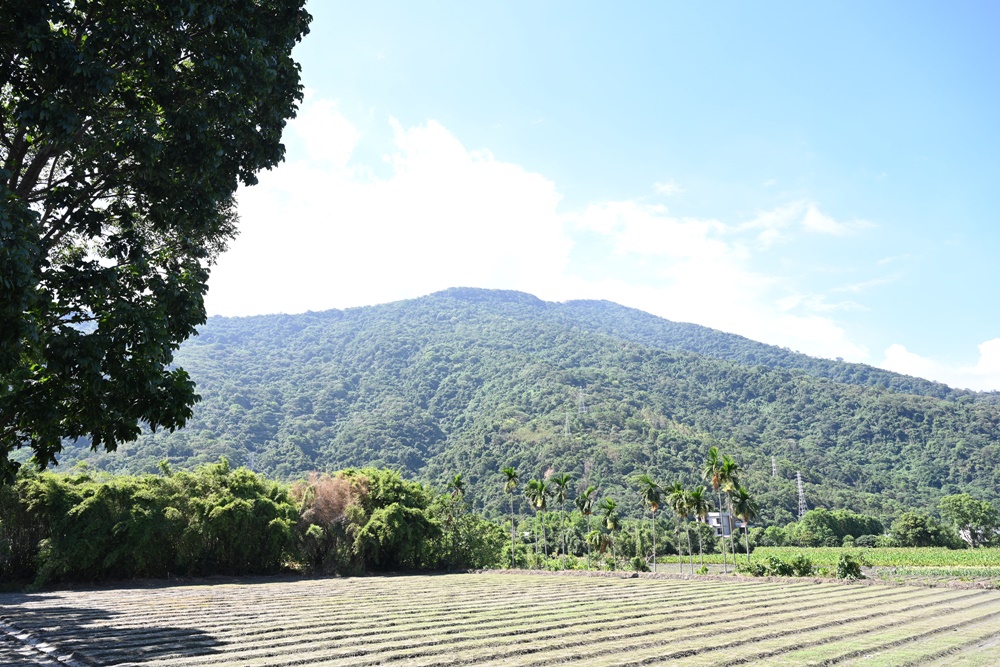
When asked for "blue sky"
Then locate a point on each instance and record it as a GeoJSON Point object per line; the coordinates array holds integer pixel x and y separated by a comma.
{"type": "Point", "coordinates": [815, 175]}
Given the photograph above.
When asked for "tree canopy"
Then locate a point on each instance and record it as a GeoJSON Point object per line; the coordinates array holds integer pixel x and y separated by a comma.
{"type": "Point", "coordinates": [126, 127]}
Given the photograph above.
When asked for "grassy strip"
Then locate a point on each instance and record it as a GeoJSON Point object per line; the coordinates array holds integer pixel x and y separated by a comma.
{"type": "Point", "coordinates": [980, 652]}
{"type": "Point", "coordinates": [591, 641]}
{"type": "Point", "coordinates": [512, 629]}
{"type": "Point", "coordinates": [938, 642]}
{"type": "Point", "coordinates": [826, 648]}
{"type": "Point", "coordinates": [830, 623]}
{"type": "Point", "coordinates": [317, 653]}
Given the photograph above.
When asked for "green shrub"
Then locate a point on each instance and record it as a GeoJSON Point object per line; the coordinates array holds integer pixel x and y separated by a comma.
{"type": "Point", "coordinates": [638, 564]}
{"type": "Point", "coordinates": [866, 541]}
{"type": "Point", "coordinates": [775, 567]}
{"type": "Point", "coordinates": [849, 567]}
{"type": "Point", "coordinates": [753, 569]}
{"type": "Point", "coordinates": [801, 566]}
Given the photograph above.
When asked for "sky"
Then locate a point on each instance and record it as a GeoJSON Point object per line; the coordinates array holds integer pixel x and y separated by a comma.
{"type": "Point", "coordinates": [819, 176]}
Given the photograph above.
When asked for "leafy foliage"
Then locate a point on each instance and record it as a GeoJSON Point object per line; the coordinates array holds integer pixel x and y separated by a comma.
{"type": "Point", "coordinates": [125, 128]}
{"type": "Point", "coordinates": [87, 527]}
{"type": "Point", "coordinates": [473, 381]}
{"type": "Point", "coordinates": [95, 526]}
{"type": "Point", "coordinates": [849, 567]}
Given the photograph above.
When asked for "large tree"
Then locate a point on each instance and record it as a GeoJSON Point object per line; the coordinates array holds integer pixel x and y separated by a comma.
{"type": "Point", "coordinates": [126, 127]}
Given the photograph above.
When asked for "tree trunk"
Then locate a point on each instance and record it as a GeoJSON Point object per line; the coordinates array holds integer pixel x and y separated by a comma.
{"type": "Point", "coordinates": [680, 549]}
{"type": "Point", "coordinates": [536, 543]}
{"type": "Point", "coordinates": [545, 540]}
{"type": "Point", "coordinates": [588, 542]}
{"type": "Point", "coordinates": [653, 512]}
{"type": "Point", "coordinates": [729, 504]}
{"type": "Point", "coordinates": [687, 532]}
{"type": "Point", "coordinates": [722, 524]}
{"type": "Point", "coordinates": [563, 520]}
{"type": "Point", "coordinates": [746, 535]}
{"type": "Point", "coordinates": [701, 552]}
{"type": "Point", "coordinates": [512, 529]}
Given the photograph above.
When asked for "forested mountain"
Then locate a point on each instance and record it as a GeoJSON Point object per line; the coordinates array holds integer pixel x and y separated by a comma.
{"type": "Point", "coordinates": [468, 381]}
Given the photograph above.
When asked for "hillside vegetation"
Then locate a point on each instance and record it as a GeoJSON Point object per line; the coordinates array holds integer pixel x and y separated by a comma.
{"type": "Point", "coordinates": [468, 381]}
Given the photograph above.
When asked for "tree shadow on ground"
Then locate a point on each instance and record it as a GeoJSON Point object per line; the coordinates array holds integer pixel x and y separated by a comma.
{"type": "Point", "coordinates": [100, 636]}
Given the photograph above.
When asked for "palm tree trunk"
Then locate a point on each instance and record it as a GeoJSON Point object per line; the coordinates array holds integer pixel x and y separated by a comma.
{"type": "Point", "coordinates": [653, 513]}
{"type": "Point", "coordinates": [729, 504]}
{"type": "Point", "coordinates": [536, 542]}
{"type": "Point", "coordinates": [512, 529]}
{"type": "Point", "coordinates": [722, 524]}
{"type": "Point", "coordinates": [545, 540]}
{"type": "Point", "coordinates": [746, 536]}
{"type": "Point", "coordinates": [588, 543]}
{"type": "Point", "coordinates": [680, 549]}
{"type": "Point", "coordinates": [701, 552]}
{"type": "Point", "coordinates": [563, 520]}
{"type": "Point", "coordinates": [687, 532]}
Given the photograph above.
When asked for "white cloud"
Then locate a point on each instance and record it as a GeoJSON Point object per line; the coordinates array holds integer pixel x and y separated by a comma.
{"type": "Point", "coordinates": [816, 221]}
{"type": "Point", "coordinates": [701, 272]}
{"type": "Point", "coordinates": [323, 231]}
{"type": "Point", "coordinates": [983, 376]}
{"type": "Point", "coordinates": [776, 224]}
{"type": "Point", "coordinates": [867, 284]}
{"type": "Point", "coordinates": [668, 188]}
{"type": "Point", "coordinates": [316, 234]}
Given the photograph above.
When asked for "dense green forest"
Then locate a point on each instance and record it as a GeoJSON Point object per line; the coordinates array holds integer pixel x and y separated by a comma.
{"type": "Point", "coordinates": [93, 526]}
{"type": "Point", "coordinates": [469, 381]}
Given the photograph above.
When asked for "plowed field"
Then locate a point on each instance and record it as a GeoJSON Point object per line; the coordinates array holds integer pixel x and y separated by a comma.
{"type": "Point", "coordinates": [509, 619]}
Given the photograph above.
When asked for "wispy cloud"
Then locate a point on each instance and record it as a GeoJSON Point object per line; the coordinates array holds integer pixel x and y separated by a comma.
{"type": "Point", "coordinates": [984, 375]}
{"type": "Point", "coordinates": [668, 188]}
{"type": "Point", "coordinates": [854, 288]}
{"type": "Point", "coordinates": [776, 224]}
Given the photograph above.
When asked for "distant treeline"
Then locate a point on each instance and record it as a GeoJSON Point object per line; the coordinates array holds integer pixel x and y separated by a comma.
{"type": "Point", "coordinates": [89, 527]}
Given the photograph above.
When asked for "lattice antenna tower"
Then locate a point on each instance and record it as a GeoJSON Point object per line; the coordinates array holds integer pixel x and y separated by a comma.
{"type": "Point", "coordinates": [774, 467]}
{"type": "Point", "coordinates": [566, 425]}
{"type": "Point", "coordinates": [802, 496]}
{"type": "Point", "coordinates": [581, 405]}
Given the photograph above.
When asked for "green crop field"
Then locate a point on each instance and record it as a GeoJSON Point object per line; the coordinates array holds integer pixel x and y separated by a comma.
{"type": "Point", "coordinates": [520, 620]}
{"type": "Point", "coordinates": [885, 557]}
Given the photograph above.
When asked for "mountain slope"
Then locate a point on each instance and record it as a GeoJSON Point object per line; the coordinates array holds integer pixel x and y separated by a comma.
{"type": "Point", "coordinates": [472, 380]}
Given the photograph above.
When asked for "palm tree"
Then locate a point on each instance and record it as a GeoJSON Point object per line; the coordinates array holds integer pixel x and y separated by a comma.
{"type": "Point", "coordinates": [651, 493]}
{"type": "Point", "coordinates": [698, 505]}
{"type": "Point", "coordinates": [677, 497]}
{"type": "Point", "coordinates": [509, 487]}
{"type": "Point", "coordinates": [612, 522]}
{"type": "Point", "coordinates": [560, 485]}
{"type": "Point", "coordinates": [729, 474]}
{"type": "Point", "coordinates": [457, 486]}
{"type": "Point", "coordinates": [538, 493]}
{"type": "Point", "coordinates": [713, 473]}
{"type": "Point", "coordinates": [746, 509]}
{"type": "Point", "coordinates": [600, 541]}
{"type": "Point", "coordinates": [585, 503]}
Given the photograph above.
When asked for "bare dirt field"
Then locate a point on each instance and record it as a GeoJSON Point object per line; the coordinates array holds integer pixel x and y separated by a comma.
{"type": "Point", "coordinates": [502, 619]}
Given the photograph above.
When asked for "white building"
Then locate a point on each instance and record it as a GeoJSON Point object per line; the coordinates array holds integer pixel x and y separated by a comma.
{"type": "Point", "coordinates": [723, 524]}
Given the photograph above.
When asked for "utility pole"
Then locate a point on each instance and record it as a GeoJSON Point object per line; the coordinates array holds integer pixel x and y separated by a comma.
{"type": "Point", "coordinates": [802, 496]}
